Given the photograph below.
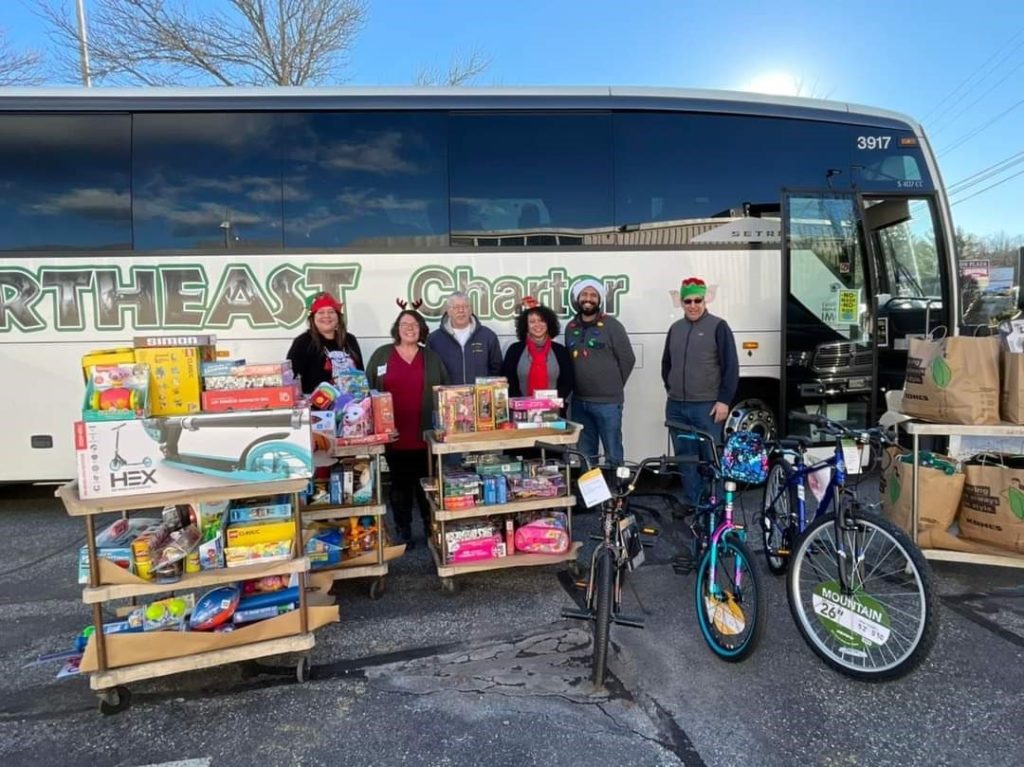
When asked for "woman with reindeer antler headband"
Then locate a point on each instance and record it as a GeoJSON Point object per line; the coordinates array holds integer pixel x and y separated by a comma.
{"type": "Point", "coordinates": [409, 370]}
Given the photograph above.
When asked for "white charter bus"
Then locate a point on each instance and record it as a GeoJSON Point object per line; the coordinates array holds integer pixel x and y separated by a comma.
{"type": "Point", "coordinates": [821, 228]}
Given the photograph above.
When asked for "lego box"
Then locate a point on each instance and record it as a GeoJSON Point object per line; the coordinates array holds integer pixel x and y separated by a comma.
{"type": "Point", "coordinates": [173, 379]}
{"type": "Point", "coordinates": [174, 453]}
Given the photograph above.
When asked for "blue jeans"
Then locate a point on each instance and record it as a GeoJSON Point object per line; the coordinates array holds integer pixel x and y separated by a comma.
{"type": "Point", "coordinates": [697, 415]}
{"type": "Point", "coordinates": [599, 420]}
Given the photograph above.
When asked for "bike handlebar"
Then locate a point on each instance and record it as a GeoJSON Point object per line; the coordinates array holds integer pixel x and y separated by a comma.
{"type": "Point", "coordinates": [826, 424]}
{"type": "Point", "coordinates": [662, 461]}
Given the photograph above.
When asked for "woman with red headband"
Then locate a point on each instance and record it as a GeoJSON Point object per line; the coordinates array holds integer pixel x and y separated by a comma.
{"type": "Point", "coordinates": [309, 353]}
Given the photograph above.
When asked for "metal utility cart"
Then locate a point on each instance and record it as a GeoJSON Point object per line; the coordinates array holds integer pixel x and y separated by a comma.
{"type": "Point", "coordinates": [372, 564]}
{"type": "Point", "coordinates": [292, 633]}
{"type": "Point", "coordinates": [484, 442]}
{"type": "Point", "coordinates": [917, 429]}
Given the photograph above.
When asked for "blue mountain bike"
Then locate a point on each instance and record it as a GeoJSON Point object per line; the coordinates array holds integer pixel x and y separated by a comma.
{"type": "Point", "coordinates": [859, 590]}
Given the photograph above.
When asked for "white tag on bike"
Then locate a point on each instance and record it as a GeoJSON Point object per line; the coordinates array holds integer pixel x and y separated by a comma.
{"type": "Point", "coordinates": [593, 488]}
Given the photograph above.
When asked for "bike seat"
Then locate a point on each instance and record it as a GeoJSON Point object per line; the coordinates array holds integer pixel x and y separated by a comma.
{"type": "Point", "coordinates": [794, 443]}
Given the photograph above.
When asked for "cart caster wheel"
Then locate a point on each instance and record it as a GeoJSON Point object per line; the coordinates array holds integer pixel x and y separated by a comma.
{"type": "Point", "coordinates": [114, 700]}
{"type": "Point", "coordinates": [377, 588]}
{"type": "Point", "coordinates": [303, 670]}
{"type": "Point", "coordinates": [448, 585]}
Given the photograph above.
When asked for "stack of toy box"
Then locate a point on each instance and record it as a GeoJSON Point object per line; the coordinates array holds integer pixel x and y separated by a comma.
{"type": "Point", "coordinates": [235, 385]}
{"type": "Point", "coordinates": [471, 409]}
{"type": "Point", "coordinates": [347, 412]}
{"type": "Point", "coordinates": [258, 531]}
{"type": "Point", "coordinates": [174, 368]}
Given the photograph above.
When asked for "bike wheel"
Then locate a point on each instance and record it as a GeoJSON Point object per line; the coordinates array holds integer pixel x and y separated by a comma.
{"type": "Point", "coordinates": [731, 617]}
{"type": "Point", "coordinates": [884, 626]}
{"type": "Point", "coordinates": [778, 516]}
{"type": "Point", "coordinates": [604, 583]}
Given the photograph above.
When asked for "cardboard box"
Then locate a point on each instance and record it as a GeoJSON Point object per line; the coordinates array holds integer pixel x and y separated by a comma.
{"type": "Point", "coordinates": [206, 341]}
{"type": "Point", "coordinates": [122, 356]}
{"type": "Point", "coordinates": [220, 401]}
{"type": "Point", "coordinates": [173, 379]}
{"type": "Point", "coordinates": [258, 553]}
{"type": "Point", "coordinates": [176, 453]}
{"type": "Point", "coordinates": [264, 531]}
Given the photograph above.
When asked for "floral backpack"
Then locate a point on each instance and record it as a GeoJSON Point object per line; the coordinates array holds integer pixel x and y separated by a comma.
{"type": "Point", "coordinates": [744, 458]}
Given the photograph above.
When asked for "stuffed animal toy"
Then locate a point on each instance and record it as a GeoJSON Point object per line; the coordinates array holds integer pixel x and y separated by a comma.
{"type": "Point", "coordinates": [357, 419]}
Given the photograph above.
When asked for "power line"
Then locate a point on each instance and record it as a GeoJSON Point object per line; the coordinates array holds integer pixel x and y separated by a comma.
{"type": "Point", "coordinates": [985, 173]}
{"type": "Point", "coordinates": [980, 128]}
{"type": "Point", "coordinates": [999, 52]}
{"type": "Point", "coordinates": [992, 186]}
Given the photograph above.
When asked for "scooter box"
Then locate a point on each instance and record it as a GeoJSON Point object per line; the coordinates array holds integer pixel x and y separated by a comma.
{"type": "Point", "coordinates": [173, 453]}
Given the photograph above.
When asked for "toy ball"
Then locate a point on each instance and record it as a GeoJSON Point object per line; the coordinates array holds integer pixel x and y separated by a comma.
{"type": "Point", "coordinates": [214, 608]}
{"type": "Point", "coordinates": [117, 398]}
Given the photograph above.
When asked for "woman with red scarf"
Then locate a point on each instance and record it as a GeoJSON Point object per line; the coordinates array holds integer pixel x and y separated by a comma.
{"type": "Point", "coordinates": [536, 361]}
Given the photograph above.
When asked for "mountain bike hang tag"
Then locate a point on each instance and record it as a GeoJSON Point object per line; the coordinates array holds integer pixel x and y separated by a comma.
{"type": "Point", "coordinates": [593, 488]}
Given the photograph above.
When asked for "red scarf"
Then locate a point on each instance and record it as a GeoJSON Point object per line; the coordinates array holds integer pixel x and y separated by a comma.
{"type": "Point", "coordinates": [538, 377]}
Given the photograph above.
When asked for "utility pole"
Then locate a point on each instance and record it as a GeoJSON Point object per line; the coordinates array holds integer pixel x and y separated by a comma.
{"type": "Point", "coordinates": [83, 44]}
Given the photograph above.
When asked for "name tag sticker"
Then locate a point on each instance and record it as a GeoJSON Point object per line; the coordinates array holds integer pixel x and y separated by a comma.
{"type": "Point", "coordinates": [382, 369]}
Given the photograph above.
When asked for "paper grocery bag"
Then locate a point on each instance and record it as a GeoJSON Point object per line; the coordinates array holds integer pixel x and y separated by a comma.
{"type": "Point", "coordinates": [1011, 400]}
{"type": "Point", "coordinates": [938, 499]}
{"type": "Point", "coordinates": [992, 507]}
{"type": "Point", "coordinates": [953, 380]}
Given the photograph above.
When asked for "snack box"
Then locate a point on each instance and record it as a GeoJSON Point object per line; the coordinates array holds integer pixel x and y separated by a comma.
{"type": "Point", "coordinates": [258, 553]}
{"type": "Point", "coordinates": [270, 531]}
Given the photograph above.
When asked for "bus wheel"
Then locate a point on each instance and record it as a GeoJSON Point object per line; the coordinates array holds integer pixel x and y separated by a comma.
{"type": "Point", "coordinates": [754, 415]}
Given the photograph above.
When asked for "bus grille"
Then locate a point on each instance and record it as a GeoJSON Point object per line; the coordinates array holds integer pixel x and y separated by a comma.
{"type": "Point", "coordinates": [831, 358]}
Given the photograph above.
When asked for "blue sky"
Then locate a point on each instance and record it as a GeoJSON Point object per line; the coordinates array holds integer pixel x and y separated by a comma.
{"type": "Point", "coordinates": [952, 66]}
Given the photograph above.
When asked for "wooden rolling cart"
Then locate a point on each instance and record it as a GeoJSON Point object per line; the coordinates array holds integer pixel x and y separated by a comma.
{"type": "Point", "coordinates": [287, 633]}
{"type": "Point", "coordinates": [483, 442]}
{"type": "Point", "coordinates": [917, 429]}
{"type": "Point", "coordinates": [371, 564]}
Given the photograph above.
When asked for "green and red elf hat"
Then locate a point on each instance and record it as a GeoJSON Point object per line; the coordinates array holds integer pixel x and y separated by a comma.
{"type": "Point", "coordinates": [693, 286]}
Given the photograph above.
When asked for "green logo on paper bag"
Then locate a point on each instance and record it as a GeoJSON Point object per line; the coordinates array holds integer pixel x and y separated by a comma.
{"type": "Point", "coordinates": [1016, 498]}
{"type": "Point", "coordinates": [941, 373]}
{"type": "Point", "coordinates": [894, 489]}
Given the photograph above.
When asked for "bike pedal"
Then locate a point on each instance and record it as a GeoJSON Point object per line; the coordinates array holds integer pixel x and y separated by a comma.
{"type": "Point", "coordinates": [581, 584]}
{"type": "Point", "coordinates": [782, 552]}
{"type": "Point", "coordinates": [632, 621]}
{"type": "Point", "coordinates": [683, 566]}
{"type": "Point", "coordinates": [581, 615]}
{"type": "Point", "coordinates": [650, 531]}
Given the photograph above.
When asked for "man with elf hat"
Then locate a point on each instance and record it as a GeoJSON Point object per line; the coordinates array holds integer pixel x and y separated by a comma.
{"type": "Point", "coordinates": [701, 372]}
{"type": "Point", "coordinates": [602, 360]}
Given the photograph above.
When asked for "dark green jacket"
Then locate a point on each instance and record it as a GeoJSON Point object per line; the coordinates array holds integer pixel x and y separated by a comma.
{"type": "Point", "coordinates": [434, 374]}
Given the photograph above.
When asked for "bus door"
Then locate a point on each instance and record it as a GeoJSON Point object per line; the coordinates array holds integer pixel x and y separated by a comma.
{"type": "Point", "coordinates": [910, 281]}
{"type": "Point", "coordinates": [829, 321]}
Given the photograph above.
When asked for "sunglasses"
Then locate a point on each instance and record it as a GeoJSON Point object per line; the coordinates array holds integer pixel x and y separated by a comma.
{"type": "Point", "coordinates": [693, 300]}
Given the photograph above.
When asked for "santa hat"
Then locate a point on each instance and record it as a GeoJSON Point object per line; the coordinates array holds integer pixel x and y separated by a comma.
{"type": "Point", "coordinates": [574, 293]}
{"type": "Point", "coordinates": [323, 301]}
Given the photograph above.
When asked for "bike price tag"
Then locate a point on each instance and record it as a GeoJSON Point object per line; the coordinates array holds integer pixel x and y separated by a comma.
{"type": "Point", "coordinates": [593, 488]}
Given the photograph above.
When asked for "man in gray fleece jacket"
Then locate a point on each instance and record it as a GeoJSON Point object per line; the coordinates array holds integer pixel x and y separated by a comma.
{"type": "Point", "coordinates": [602, 361]}
{"type": "Point", "coordinates": [701, 372]}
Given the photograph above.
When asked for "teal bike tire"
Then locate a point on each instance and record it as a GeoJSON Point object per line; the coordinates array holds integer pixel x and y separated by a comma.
{"type": "Point", "coordinates": [731, 635]}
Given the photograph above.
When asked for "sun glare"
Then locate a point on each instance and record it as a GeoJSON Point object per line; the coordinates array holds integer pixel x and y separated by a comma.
{"type": "Point", "coordinates": [774, 83]}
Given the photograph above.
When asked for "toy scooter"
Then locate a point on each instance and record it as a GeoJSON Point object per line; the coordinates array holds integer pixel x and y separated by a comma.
{"type": "Point", "coordinates": [262, 455]}
{"type": "Point", "coordinates": [118, 461]}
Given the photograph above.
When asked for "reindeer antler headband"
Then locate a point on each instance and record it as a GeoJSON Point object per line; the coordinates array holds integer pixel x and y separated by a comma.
{"type": "Point", "coordinates": [403, 305]}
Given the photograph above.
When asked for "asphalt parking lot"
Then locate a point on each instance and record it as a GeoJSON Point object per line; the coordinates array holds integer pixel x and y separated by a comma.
{"type": "Point", "coordinates": [493, 674]}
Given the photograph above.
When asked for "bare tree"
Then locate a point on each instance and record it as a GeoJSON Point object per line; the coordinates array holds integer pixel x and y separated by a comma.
{"type": "Point", "coordinates": [461, 70]}
{"type": "Point", "coordinates": [18, 67]}
{"type": "Point", "coordinates": [249, 42]}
